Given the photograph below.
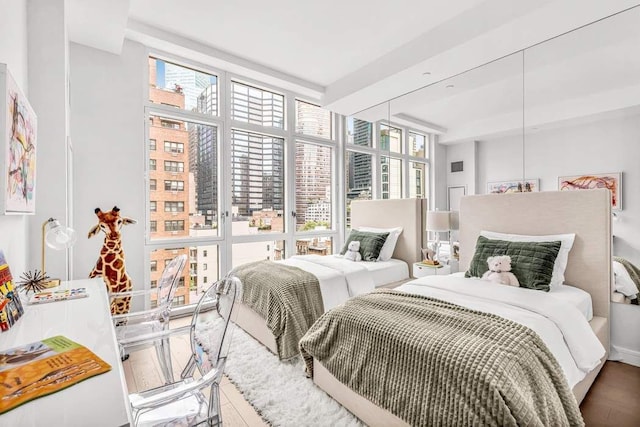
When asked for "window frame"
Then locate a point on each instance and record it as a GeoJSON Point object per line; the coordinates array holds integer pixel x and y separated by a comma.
{"type": "Point", "coordinates": [224, 123]}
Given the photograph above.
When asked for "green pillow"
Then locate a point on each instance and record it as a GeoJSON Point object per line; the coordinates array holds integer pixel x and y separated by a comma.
{"type": "Point", "coordinates": [531, 262]}
{"type": "Point", "coordinates": [370, 244]}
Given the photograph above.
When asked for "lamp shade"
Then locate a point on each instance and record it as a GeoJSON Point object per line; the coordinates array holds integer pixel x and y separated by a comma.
{"type": "Point", "coordinates": [438, 221]}
{"type": "Point", "coordinates": [454, 218]}
{"type": "Point", "coordinates": [58, 236]}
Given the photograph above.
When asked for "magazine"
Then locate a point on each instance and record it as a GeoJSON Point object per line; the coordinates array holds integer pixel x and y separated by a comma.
{"type": "Point", "coordinates": [44, 367]}
{"type": "Point", "coordinates": [58, 295]}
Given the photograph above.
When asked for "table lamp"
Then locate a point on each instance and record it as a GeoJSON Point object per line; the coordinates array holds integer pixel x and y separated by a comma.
{"type": "Point", "coordinates": [437, 222]}
{"type": "Point", "coordinates": [57, 237]}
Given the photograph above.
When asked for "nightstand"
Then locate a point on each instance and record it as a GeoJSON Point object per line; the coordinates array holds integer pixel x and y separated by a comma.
{"type": "Point", "coordinates": [421, 270]}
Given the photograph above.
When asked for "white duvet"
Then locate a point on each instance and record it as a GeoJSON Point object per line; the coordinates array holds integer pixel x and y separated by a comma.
{"type": "Point", "coordinates": [560, 325]}
{"type": "Point", "coordinates": [340, 279]}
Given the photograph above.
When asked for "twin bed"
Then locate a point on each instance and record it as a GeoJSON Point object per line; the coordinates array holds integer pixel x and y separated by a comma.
{"type": "Point", "coordinates": [585, 213]}
{"type": "Point", "coordinates": [341, 279]}
{"type": "Point", "coordinates": [368, 353]}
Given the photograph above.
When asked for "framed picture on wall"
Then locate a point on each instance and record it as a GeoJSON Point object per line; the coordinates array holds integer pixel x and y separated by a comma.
{"type": "Point", "coordinates": [611, 181]}
{"type": "Point", "coordinates": [18, 142]}
{"type": "Point", "coordinates": [513, 186]}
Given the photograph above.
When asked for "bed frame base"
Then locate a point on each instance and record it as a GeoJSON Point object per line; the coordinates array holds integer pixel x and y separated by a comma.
{"type": "Point", "coordinates": [256, 326]}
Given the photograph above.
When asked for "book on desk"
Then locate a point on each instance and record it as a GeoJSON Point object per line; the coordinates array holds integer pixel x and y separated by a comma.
{"type": "Point", "coordinates": [43, 367]}
{"type": "Point", "coordinates": [58, 295]}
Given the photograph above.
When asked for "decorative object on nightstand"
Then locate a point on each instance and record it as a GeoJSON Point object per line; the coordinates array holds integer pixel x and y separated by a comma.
{"type": "Point", "coordinates": [420, 269]}
{"type": "Point", "coordinates": [428, 256]}
{"type": "Point", "coordinates": [58, 237]}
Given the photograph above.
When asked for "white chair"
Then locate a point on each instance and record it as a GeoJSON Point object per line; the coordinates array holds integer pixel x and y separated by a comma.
{"type": "Point", "coordinates": [184, 402]}
{"type": "Point", "coordinates": [129, 327]}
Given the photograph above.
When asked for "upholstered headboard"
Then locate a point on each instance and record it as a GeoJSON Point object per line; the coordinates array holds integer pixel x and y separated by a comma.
{"type": "Point", "coordinates": [587, 213]}
{"type": "Point", "coordinates": [410, 214]}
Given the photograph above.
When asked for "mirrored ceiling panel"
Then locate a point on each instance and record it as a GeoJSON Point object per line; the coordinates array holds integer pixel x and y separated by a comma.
{"type": "Point", "coordinates": [484, 101]}
{"type": "Point", "coordinates": [462, 114]}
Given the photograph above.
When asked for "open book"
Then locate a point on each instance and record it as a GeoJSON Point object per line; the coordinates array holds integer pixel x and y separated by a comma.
{"type": "Point", "coordinates": [44, 367]}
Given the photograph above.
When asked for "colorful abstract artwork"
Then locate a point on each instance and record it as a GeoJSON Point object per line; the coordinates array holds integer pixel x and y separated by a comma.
{"type": "Point", "coordinates": [611, 181]}
{"type": "Point", "coordinates": [20, 134]}
{"type": "Point", "coordinates": [513, 186]}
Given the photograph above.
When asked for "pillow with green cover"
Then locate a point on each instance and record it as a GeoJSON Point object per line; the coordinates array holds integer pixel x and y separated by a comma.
{"type": "Point", "coordinates": [370, 244]}
{"type": "Point", "coordinates": [531, 262]}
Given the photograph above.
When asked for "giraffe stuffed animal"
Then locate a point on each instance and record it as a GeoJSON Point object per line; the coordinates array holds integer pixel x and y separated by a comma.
{"type": "Point", "coordinates": [110, 264]}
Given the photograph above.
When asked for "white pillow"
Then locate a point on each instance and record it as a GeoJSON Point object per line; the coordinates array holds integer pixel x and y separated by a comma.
{"type": "Point", "coordinates": [560, 265]}
{"type": "Point", "coordinates": [390, 244]}
{"type": "Point", "coordinates": [622, 281]}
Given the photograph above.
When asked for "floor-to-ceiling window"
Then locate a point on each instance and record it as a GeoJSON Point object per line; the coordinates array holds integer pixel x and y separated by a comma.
{"type": "Point", "coordinates": [240, 171]}
{"type": "Point", "coordinates": [183, 197]}
{"type": "Point", "coordinates": [237, 171]}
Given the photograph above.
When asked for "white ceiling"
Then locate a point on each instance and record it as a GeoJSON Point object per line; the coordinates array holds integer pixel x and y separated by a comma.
{"type": "Point", "coordinates": [318, 41]}
{"type": "Point", "coordinates": [590, 71]}
{"type": "Point", "coordinates": [348, 55]}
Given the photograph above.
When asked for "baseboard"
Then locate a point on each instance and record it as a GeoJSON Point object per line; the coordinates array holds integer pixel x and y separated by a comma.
{"type": "Point", "coordinates": [625, 355]}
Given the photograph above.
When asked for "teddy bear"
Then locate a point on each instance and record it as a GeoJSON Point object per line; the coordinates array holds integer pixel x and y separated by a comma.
{"type": "Point", "coordinates": [353, 252]}
{"type": "Point", "coordinates": [500, 271]}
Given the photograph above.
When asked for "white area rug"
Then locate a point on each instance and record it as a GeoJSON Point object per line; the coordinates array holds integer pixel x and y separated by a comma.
{"type": "Point", "coordinates": [280, 391]}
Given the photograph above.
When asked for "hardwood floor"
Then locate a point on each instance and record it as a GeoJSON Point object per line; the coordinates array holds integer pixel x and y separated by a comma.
{"type": "Point", "coordinates": [613, 400]}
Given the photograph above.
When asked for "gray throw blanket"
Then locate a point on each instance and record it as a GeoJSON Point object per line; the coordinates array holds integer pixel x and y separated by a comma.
{"type": "Point", "coordinates": [433, 363]}
{"type": "Point", "coordinates": [287, 297]}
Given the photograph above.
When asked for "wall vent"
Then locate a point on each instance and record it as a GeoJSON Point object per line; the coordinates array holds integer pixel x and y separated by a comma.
{"type": "Point", "coordinates": [456, 166]}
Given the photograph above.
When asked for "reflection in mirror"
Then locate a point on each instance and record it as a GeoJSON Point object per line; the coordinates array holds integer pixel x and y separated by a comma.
{"type": "Point", "coordinates": [478, 108]}
{"type": "Point", "coordinates": [361, 148]}
{"type": "Point", "coordinates": [466, 116]}
{"type": "Point", "coordinates": [582, 124]}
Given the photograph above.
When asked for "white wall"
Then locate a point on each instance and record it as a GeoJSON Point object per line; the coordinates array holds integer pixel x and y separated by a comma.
{"type": "Point", "coordinates": [466, 153]}
{"type": "Point", "coordinates": [608, 144]}
{"type": "Point", "coordinates": [48, 70]}
{"type": "Point", "coordinates": [13, 52]}
{"type": "Point", "coordinates": [602, 146]}
{"type": "Point", "coordinates": [107, 129]}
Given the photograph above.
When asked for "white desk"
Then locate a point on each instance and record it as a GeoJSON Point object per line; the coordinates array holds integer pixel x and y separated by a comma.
{"type": "Point", "coordinates": [101, 400]}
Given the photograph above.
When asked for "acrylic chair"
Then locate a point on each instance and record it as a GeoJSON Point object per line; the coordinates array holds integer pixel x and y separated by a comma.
{"type": "Point", "coordinates": [185, 402]}
{"type": "Point", "coordinates": [134, 324]}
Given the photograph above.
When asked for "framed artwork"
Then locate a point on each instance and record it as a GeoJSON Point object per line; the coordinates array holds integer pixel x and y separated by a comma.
{"type": "Point", "coordinates": [513, 186]}
{"type": "Point", "coordinates": [18, 137]}
{"type": "Point", "coordinates": [612, 181]}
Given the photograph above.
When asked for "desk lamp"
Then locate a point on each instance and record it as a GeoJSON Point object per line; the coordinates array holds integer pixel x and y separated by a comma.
{"type": "Point", "coordinates": [57, 237]}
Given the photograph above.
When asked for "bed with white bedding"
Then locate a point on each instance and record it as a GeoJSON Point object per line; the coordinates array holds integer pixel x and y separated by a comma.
{"type": "Point", "coordinates": [559, 317]}
{"type": "Point", "coordinates": [341, 279]}
{"type": "Point", "coordinates": [572, 321]}
{"type": "Point", "coordinates": [572, 295]}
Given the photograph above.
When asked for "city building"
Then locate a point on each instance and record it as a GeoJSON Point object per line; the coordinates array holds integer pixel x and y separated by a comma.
{"type": "Point", "coordinates": [170, 175]}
